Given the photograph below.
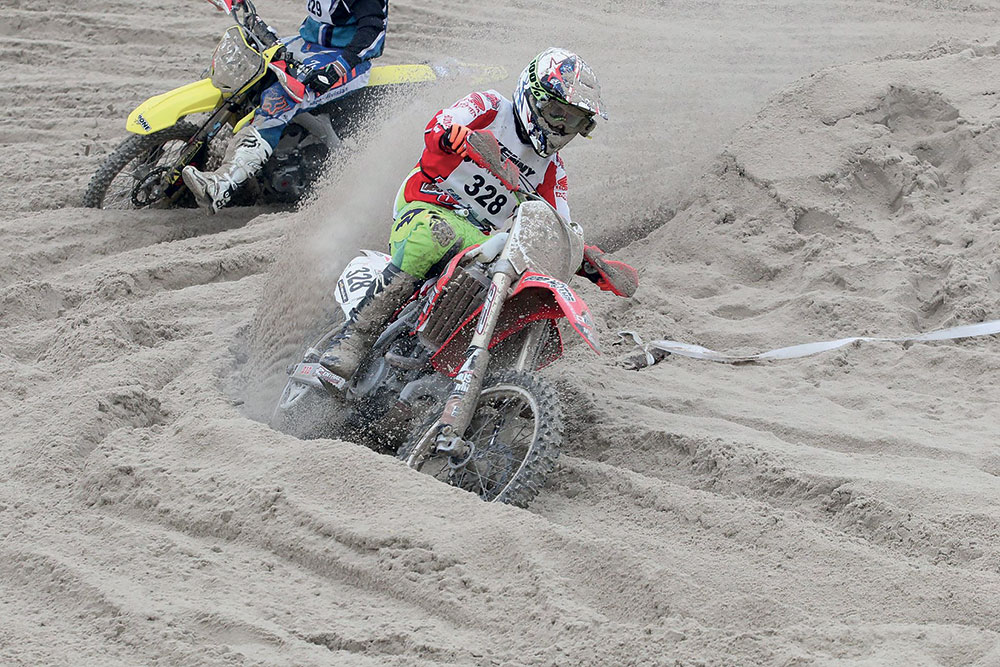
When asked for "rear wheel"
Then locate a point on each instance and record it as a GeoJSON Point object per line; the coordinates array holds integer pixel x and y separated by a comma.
{"type": "Point", "coordinates": [515, 436]}
{"type": "Point", "coordinates": [307, 413]}
{"type": "Point", "coordinates": [135, 174]}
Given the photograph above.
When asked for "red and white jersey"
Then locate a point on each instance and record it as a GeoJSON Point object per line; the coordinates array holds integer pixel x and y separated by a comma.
{"type": "Point", "coordinates": [449, 180]}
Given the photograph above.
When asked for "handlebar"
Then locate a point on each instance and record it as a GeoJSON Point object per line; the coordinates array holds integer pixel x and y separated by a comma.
{"type": "Point", "coordinates": [255, 26]}
{"type": "Point", "coordinates": [484, 150]}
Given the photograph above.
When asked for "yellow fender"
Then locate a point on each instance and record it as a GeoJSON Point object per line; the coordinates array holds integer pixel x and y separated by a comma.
{"type": "Point", "coordinates": [387, 75]}
{"type": "Point", "coordinates": [382, 75]}
{"type": "Point", "coordinates": [164, 110]}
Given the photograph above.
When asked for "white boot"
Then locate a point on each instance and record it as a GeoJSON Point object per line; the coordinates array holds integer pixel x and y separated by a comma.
{"type": "Point", "coordinates": [245, 157]}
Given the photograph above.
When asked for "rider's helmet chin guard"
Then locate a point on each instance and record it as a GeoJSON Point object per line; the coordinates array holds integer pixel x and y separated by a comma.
{"type": "Point", "coordinates": [556, 98]}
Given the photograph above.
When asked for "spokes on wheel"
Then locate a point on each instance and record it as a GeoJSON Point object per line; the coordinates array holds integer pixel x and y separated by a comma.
{"type": "Point", "coordinates": [510, 445]}
{"type": "Point", "coordinates": [141, 172]}
{"type": "Point", "coordinates": [501, 434]}
{"type": "Point", "coordinates": [144, 179]}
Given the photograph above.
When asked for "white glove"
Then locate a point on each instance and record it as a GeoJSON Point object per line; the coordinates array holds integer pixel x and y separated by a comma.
{"type": "Point", "coordinates": [489, 250]}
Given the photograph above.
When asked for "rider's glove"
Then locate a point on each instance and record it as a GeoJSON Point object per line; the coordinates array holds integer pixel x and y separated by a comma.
{"type": "Point", "coordinates": [453, 140]}
{"type": "Point", "coordinates": [322, 79]}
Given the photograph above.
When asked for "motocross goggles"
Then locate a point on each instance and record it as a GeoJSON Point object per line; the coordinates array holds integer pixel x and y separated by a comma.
{"type": "Point", "coordinates": [565, 119]}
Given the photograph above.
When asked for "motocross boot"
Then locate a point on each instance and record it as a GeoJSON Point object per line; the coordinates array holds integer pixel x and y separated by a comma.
{"type": "Point", "coordinates": [390, 291]}
{"type": "Point", "coordinates": [245, 157]}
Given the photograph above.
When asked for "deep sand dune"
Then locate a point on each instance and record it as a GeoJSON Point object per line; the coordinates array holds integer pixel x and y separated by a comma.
{"type": "Point", "coordinates": [836, 510]}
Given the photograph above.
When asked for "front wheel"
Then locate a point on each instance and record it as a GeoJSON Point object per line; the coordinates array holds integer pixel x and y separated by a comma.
{"type": "Point", "coordinates": [134, 174]}
{"type": "Point", "coordinates": [515, 436]}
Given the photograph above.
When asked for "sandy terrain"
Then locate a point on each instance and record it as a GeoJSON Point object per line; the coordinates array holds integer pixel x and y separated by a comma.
{"type": "Point", "coordinates": [779, 171]}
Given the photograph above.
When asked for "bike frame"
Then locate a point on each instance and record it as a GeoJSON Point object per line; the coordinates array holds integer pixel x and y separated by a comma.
{"type": "Point", "coordinates": [512, 265]}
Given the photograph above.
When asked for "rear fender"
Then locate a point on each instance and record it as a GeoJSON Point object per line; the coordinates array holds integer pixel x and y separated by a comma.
{"type": "Point", "coordinates": [390, 75]}
{"type": "Point", "coordinates": [162, 111]}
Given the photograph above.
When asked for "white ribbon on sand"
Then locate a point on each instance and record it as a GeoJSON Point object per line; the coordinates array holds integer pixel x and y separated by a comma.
{"type": "Point", "coordinates": [803, 350]}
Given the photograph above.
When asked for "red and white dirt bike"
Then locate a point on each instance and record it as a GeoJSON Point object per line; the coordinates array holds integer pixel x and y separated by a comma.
{"type": "Point", "coordinates": [450, 385]}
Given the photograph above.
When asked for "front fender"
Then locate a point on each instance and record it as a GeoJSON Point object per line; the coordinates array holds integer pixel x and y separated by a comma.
{"type": "Point", "coordinates": [164, 110]}
{"type": "Point", "coordinates": [573, 307]}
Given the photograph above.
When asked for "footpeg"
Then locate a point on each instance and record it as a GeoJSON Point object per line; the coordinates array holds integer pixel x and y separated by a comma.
{"type": "Point", "coordinates": [331, 381]}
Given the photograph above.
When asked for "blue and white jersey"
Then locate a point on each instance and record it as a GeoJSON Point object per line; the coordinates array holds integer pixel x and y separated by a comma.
{"type": "Point", "coordinates": [356, 26]}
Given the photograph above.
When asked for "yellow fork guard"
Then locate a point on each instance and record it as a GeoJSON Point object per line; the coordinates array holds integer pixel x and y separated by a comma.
{"type": "Point", "coordinates": [162, 111]}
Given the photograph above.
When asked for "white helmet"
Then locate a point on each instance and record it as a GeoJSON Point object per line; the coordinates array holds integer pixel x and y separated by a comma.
{"type": "Point", "coordinates": [556, 98]}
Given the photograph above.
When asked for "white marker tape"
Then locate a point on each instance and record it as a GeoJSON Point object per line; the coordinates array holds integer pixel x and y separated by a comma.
{"type": "Point", "coordinates": [806, 349]}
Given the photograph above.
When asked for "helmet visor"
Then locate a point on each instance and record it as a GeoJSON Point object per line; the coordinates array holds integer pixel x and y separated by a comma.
{"type": "Point", "coordinates": [566, 119]}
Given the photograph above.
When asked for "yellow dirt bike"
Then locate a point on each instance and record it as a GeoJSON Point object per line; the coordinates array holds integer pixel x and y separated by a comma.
{"type": "Point", "coordinates": [171, 130]}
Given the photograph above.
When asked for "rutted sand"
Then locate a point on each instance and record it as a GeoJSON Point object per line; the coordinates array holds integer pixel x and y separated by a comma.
{"type": "Point", "coordinates": [840, 509]}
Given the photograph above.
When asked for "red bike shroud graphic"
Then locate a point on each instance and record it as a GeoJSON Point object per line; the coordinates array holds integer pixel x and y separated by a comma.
{"type": "Point", "coordinates": [573, 307]}
{"type": "Point", "coordinates": [535, 297]}
{"type": "Point", "coordinates": [439, 286]}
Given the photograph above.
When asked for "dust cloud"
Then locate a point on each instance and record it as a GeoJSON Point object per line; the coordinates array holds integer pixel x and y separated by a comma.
{"type": "Point", "coordinates": [779, 172]}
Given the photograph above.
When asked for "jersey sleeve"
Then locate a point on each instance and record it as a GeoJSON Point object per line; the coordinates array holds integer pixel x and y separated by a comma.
{"type": "Point", "coordinates": [554, 188]}
{"type": "Point", "coordinates": [476, 111]}
{"type": "Point", "coordinates": [372, 17]}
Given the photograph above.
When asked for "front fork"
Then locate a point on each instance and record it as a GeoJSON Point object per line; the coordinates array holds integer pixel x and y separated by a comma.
{"type": "Point", "coordinates": [226, 113]}
{"type": "Point", "coordinates": [461, 403]}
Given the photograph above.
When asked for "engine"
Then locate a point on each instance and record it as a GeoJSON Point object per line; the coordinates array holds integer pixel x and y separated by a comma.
{"type": "Point", "coordinates": [297, 162]}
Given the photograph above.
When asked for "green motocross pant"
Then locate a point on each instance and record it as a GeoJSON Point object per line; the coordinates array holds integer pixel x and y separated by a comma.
{"type": "Point", "coordinates": [425, 234]}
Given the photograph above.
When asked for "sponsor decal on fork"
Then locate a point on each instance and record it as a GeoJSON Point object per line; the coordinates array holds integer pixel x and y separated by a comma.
{"type": "Point", "coordinates": [487, 304]}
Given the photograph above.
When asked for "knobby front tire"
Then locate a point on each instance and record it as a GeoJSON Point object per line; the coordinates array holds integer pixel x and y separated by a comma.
{"type": "Point", "coordinates": [112, 184]}
{"type": "Point", "coordinates": [516, 433]}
